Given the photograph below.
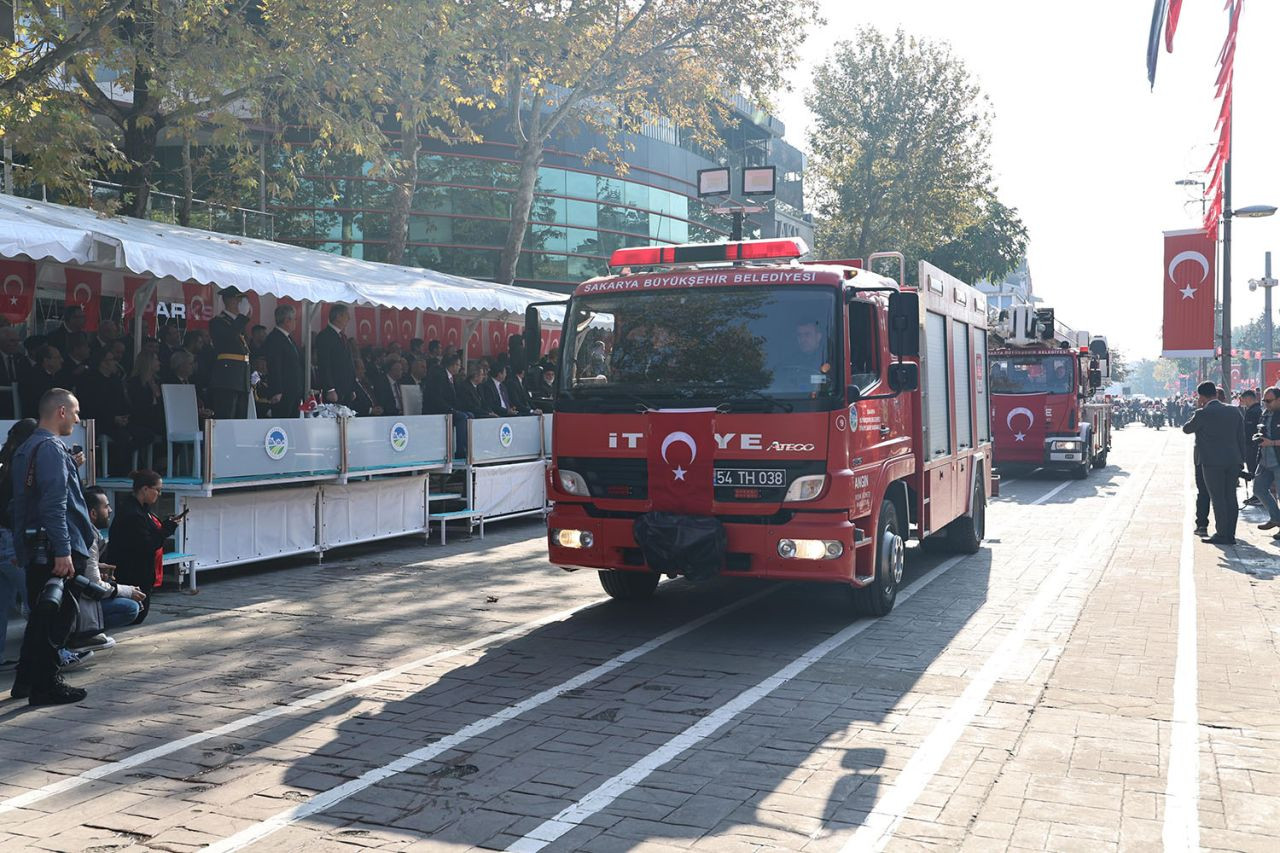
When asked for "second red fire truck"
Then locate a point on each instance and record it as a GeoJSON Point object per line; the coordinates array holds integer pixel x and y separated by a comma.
{"type": "Point", "coordinates": [724, 409]}
{"type": "Point", "coordinates": [1045, 378]}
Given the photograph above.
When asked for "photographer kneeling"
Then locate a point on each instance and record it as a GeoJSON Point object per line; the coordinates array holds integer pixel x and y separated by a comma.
{"type": "Point", "coordinates": [52, 536]}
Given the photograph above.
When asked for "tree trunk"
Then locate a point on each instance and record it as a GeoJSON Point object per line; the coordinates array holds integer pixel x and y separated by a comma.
{"type": "Point", "coordinates": [188, 185]}
{"type": "Point", "coordinates": [402, 193]}
{"type": "Point", "coordinates": [521, 205]}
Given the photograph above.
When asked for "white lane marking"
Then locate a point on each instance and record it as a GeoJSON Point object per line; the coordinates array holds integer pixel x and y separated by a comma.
{"type": "Point", "coordinates": [1182, 788]}
{"type": "Point", "coordinates": [73, 782]}
{"type": "Point", "coordinates": [1049, 494]}
{"type": "Point", "coordinates": [601, 797]}
{"type": "Point", "coordinates": [333, 796]}
{"type": "Point", "coordinates": [877, 830]}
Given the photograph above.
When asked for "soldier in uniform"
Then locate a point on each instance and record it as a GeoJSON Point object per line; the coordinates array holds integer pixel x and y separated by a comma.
{"type": "Point", "coordinates": [229, 379]}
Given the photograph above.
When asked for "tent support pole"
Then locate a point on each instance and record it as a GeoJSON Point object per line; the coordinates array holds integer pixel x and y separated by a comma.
{"type": "Point", "coordinates": [468, 329]}
{"type": "Point", "coordinates": [140, 298]}
{"type": "Point", "coordinates": [308, 321]}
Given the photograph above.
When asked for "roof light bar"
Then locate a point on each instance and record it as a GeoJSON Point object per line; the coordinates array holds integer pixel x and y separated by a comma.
{"type": "Point", "coordinates": [704, 253]}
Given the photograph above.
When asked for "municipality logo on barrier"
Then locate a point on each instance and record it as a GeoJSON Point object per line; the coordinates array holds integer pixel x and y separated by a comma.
{"type": "Point", "coordinates": [505, 435]}
{"type": "Point", "coordinates": [276, 443]}
{"type": "Point", "coordinates": [399, 437]}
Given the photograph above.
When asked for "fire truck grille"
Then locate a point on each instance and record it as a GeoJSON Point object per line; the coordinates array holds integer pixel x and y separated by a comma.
{"type": "Point", "coordinates": [625, 479]}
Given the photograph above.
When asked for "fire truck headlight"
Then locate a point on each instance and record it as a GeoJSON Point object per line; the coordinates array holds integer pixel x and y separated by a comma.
{"type": "Point", "coordinates": [810, 549]}
{"type": "Point", "coordinates": [573, 538]}
{"type": "Point", "coordinates": [806, 488]}
{"type": "Point", "coordinates": [572, 482]}
{"type": "Point", "coordinates": [1069, 444]}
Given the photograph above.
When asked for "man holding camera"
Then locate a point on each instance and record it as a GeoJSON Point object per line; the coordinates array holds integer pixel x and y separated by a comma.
{"type": "Point", "coordinates": [52, 537]}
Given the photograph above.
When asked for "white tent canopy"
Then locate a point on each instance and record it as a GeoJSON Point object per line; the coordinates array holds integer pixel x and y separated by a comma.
{"type": "Point", "coordinates": [44, 231]}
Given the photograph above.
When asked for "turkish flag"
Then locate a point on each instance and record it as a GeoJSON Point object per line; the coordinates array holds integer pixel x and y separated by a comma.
{"type": "Point", "coordinates": [389, 320]}
{"type": "Point", "coordinates": [408, 326]}
{"type": "Point", "coordinates": [475, 343]}
{"type": "Point", "coordinates": [19, 290]}
{"type": "Point", "coordinates": [1020, 426]}
{"type": "Point", "coordinates": [1189, 278]}
{"type": "Point", "coordinates": [84, 287]}
{"type": "Point", "coordinates": [131, 286]}
{"type": "Point", "coordinates": [366, 326]}
{"type": "Point", "coordinates": [199, 301]}
{"type": "Point", "coordinates": [1270, 372]}
{"type": "Point", "coordinates": [451, 329]}
{"type": "Point", "coordinates": [432, 328]}
{"type": "Point", "coordinates": [681, 446]}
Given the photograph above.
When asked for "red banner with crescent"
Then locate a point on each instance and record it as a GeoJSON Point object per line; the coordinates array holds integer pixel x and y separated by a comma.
{"type": "Point", "coordinates": [475, 344]}
{"type": "Point", "coordinates": [1020, 428]}
{"type": "Point", "coordinates": [681, 445]}
{"type": "Point", "coordinates": [451, 332]}
{"type": "Point", "coordinates": [199, 299]}
{"type": "Point", "coordinates": [84, 287]}
{"type": "Point", "coordinates": [1189, 279]}
{"type": "Point", "coordinates": [408, 326]}
{"type": "Point", "coordinates": [366, 326]}
{"type": "Point", "coordinates": [1271, 372]}
{"type": "Point", "coordinates": [432, 329]}
{"type": "Point", "coordinates": [389, 320]}
{"type": "Point", "coordinates": [19, 285]}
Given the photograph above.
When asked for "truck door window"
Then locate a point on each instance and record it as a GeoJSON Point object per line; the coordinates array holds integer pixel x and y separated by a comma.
{"type": "Point", "coordinates": [864, 351]}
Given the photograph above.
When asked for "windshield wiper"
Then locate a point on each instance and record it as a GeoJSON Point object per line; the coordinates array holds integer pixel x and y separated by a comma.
{"type": "Point", "coordinates": [727, 405]}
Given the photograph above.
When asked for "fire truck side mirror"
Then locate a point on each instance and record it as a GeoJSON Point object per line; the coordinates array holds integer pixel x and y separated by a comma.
{"type": "Point", "coordinates": [532, 334]}
{"type": "Point", "coordinates": [1095, 377]}
{"type": "Point", "coordinates": [904, 376]}
{"type": "Point", "coordinates": [904, 325]}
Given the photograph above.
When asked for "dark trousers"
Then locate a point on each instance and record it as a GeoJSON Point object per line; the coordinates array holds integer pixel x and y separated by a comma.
{"type": "Point", "coordinates": [229, 403]}
{"type": "Point", "coordinates": [1202, 500]}
{"type": "Point", "coordinates": [1221, 484]}
{"type": "Point", "coordinates": [38, 665]}
{"type": "Point", "coordinates": [286, 408]}
{"type": "Point", "coordinates": [460, 433]}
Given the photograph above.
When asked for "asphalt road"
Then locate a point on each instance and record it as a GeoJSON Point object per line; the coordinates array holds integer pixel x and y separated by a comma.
{"type": "Point", "coordinates": [1092, 679]}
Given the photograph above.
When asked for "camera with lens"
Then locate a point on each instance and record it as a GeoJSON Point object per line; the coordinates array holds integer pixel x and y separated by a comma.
{"type": "Point", "coordinates": [50, 601]}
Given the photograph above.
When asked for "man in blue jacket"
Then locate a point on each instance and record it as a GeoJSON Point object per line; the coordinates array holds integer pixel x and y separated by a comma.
{"type": "Point", "coordinates": [47, 497]}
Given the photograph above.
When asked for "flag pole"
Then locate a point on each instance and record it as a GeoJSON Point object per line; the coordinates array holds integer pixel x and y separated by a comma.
{"type": "Point", "coordinates": [1226, 260]}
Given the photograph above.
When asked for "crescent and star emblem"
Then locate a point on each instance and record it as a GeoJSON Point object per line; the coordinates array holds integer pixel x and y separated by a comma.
{"type": "Point", "coordinates": [13, 299]}
{"type": "Point", "coordinates": [1189, 292]}
{"type": "Point", "coordinates": [75, 294]}
{"type": "Point", "coordinates": [680, 438]}
{"type": "Point", "coordinates": [1008, 421]}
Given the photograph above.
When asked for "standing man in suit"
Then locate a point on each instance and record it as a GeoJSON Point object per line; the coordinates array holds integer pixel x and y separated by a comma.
{"type": "Point", "coordinates": [335, 366]}
{"type": "Point", "coordinates": [229, 379]}
{"type": "Point", "coordinates": [1219, 454]}
{"type": "Point", "coordinates": [284, 364]}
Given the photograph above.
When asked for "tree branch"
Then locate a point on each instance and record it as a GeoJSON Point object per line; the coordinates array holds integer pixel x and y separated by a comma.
{"type": "Point", "coordinates": [80, 40]}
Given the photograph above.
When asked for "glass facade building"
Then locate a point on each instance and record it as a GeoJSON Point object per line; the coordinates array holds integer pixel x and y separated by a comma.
{"type": "Point", "coordinates": [583, 208]}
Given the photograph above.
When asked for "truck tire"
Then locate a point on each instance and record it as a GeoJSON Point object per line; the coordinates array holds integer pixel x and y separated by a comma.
{"type": "Point", "coordinates": [1081, 471]}
{"type": "Point", "coordinates": [1101, 461]}
{"type": "Point", "coordinates": [966, 533]}
{"type": "Point", "coordinates": [878, 597]}
{"type": "Point", "coordinates": [629, 586]}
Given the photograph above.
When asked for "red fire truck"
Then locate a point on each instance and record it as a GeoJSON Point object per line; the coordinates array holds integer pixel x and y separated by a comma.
{"type": "Point", "coordinates": [1045, 378]}
{"type": "Point", "coordinates": [723, 409]}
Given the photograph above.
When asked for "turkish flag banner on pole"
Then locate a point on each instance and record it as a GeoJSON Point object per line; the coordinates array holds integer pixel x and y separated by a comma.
{"type": "Point", "coordinates": [83, 289]}
{"type": "Point", "coordinates": [1189, 281]}
{"type": "Point", "coordinates": [199, 299]}
{"type": "Point", "coordinates": [681, 445]}
{"type": "Point", "coordinates": [19, 286]}
{"type": "Point", "coordinates": [1270, 372]}
{"type": "Point", "coordinates": [365, 325]}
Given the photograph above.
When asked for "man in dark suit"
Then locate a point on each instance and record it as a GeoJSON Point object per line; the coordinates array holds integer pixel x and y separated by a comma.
{"type": "Point", "coordinates": [335, 366]}
{"type": "Point", "coordinates": [284, 364]}
{"type": "Point", "coordinates": [1219, 454]}
{"type": "Point", "coordinates": [73, 320]}
{"type": "Point", "coordinates": [494, 392]}
{"type": "Point", "coordinates": [229, 379]}
{"type": "Point", "coordinates": [40, 378]}
{"type": "Point", "coordinates": [439, 395]}
{"type": "Point", "coordinates": [470, 395]}
{"type": "Point", "coordinates": [518, 394]}
{"type": "Point", "coordinates": [387, 388]}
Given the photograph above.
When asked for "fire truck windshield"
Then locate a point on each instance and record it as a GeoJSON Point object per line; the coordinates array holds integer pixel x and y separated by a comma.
{"type": "Point", "coordinates": [1032, 374]}
{"type": "Point", "coordinates": [751, 348]}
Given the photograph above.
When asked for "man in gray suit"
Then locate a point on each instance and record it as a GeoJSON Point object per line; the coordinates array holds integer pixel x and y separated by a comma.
{"type": "Point", "coordinates": [1219, 454]}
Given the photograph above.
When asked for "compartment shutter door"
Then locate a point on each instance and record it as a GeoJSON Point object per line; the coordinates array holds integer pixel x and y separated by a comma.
{"type": "Point", "coordinates": [980, 384]}
{"type": "Point", "coordinates": [964, 423]}
{"type": "Point", "coordinates": [937, 394]}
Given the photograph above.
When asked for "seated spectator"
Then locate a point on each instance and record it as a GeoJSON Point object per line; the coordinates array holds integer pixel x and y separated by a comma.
{"type": "Point", "coordinates": [125, 603]}
{"type": "Point", "coordinates": [75, 360]}
{"type": "Point", "coordinates": [136, 544]}
{"type": "Point", "coordinates": [433, 353]}
{"type": "Point", "coordinates": [387, 387]}
{"type": "Point", "coordinates": [440, 397]}
{"type": "Point", "coordinates": [31, 345]}
{"type": "Point", "coordinates": [103, 339]}
{"type": "Point", "coordinates": [150, 344]}
{"type": "Point", "coordinates": [182, 367]}
{"type": "Point", "coordinates": [518, 394]}
{"type": "Point", "coordinates": [42, 377]}
{"type": "Point", "coordinates": [415, 348]}
{"type": "Point", "coordinates": [73, 320]}
{"type": "Point", "coordinates": [470, 395]}
{"type": "Point", "coordinates": [170, 341]}
{"type": "Point", "coordinates": [417, 371]}
{"type": "Point", "coordinates": [146, 406]}
{"type": "Point", "coordinates": [494, 391]}
{"type": "Point", "coordinates": [365, 403]}
{"type": "Point", "coordinates": [104, 401]}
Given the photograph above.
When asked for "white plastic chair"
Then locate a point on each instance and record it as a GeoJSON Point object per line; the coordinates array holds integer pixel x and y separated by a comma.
{"type": "Point", "coordinates": [412, 397]}
{"type": "Point", "coordinates": [182, 424]}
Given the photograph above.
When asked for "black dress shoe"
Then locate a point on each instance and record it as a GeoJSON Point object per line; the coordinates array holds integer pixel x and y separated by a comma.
{"type": "Point", "coordinates": [57, 693]}
{"type": "Point", "coordinates": [20, 690]}
{"type": "Point", "coordinates": [1200, 531]}
{"type": "Point", "coordinates": [1218, 540]}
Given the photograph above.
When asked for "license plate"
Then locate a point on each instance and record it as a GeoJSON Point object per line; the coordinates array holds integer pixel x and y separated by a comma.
{"type": "Point", "coordinates": [757, 477]}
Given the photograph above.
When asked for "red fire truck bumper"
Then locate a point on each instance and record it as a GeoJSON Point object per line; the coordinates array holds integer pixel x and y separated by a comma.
{"type": "Point", "coordinates": [754, 550]}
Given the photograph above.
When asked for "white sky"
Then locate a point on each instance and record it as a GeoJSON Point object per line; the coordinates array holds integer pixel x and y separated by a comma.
{"type": "Point", "coordinates": [1085, 151]}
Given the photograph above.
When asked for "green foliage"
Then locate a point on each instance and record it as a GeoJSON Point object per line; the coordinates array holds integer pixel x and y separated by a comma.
{"type": "Point", "coordinates": [901, 144]}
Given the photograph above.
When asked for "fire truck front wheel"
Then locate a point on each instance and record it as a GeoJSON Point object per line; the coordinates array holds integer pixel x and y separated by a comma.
{"type": "Point", "coordinates": [629, 586]}
{"type": "Point", "coordinates": [877, 598]}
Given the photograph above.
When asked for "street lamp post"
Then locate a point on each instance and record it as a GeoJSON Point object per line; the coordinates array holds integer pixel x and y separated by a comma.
{"type": "Point", "coordinates": [1266, 283]}
{"type": "Point", "coordinates": [1255, 211]}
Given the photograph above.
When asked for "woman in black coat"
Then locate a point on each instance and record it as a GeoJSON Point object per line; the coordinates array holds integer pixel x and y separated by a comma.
{"type": "Point", "coordinates": [136, 543]}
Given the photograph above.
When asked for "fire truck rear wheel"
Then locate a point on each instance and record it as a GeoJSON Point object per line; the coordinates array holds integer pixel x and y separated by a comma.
{"type": "Point", "coordinates": [629, 586]}
{"type": "Point", "coordinates": [878, 597]}
{"type": "Point", "coordinates": [966, 533]}
{"type": "Point", "coordinates": [1101, 461]}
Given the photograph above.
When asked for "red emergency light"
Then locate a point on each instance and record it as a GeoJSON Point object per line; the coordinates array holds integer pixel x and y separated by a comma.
{"type": "Point", "coordinates": [704, 253]}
